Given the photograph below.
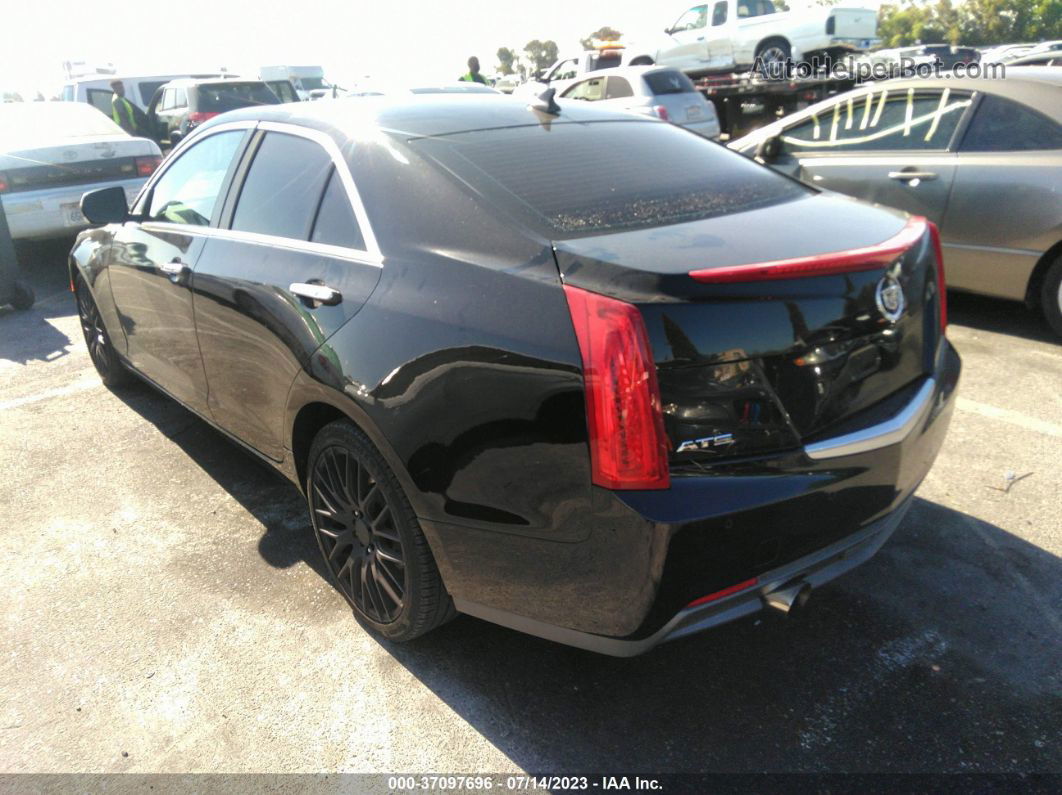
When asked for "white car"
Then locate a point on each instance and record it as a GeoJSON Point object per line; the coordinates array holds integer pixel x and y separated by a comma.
{"type": "Point", "coordinates": [139, 89]}
{"type": "Point", "coordinates": [649, 90]}
{"type": "Point", "coordinates": [733, 34]}
{"type": "Point", "coordinates": [53, 152]}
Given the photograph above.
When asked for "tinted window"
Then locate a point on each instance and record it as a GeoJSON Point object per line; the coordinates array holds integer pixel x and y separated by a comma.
{"type": "Point", "coordinates": [188, 191]}
{"type": "Point", "coordinates": [1001, 125]}
{"type": "Point", "coordinates": [220, 97]}
{"type": "Point", "coordinates": [608, 59]}
{"type": "Point", "coordinates": [719, 12]}
{"type": "Point", "coordinates": [283, 90]}
{"type": "Point", "coordinates": [669, 82]}
{"type": "Point", "coordinates": [881, 120]}
{"type": "Point", "coordinates": [148, 88]}
{"type": "Point", "coordinates": [617, 88]}
{"type": "Point", "coordinates": [282, 188]}
{"type": "Point", "coordinates": [578, 179]}
{"type": "Point", "coordinates": [336, 224]}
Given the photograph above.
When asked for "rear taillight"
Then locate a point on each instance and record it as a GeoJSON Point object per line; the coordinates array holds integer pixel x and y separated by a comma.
{"type": "Point", "coordinates": [3, 183]}
{"type": "Point", "coordinates": [145, 166]}
{"type": "Point", "coordinates": [628, 447]}
{"type": "Point", "coordinates": [200, 116]}
{"type": "Point", "coordinates": [942, 285]}
{"type": "Point", "coordinates": [661, 112]}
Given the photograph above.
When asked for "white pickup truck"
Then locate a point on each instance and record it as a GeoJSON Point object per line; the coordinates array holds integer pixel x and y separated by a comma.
{"type": "Point", "coordinates": [728, 35]}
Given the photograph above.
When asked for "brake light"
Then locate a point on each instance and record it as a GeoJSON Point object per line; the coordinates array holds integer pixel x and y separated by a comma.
{"type": "Point", "coordinates": [661, 112]}
{"type": "Point", "coordinates": [145, 166]}
{"type": "Point", "coordinates": [942, 286]}
{"type": "Point", "coordinates": [628, 447]}
{"type": "Point", "coordinates": [856, 259]}
{"type": "Point", "coordinates": [200, 116]}
{"type": "Point", "coordinates": [3, 183]}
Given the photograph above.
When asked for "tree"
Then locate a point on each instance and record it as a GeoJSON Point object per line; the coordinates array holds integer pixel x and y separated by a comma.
{"type": "Point", "coordinates": [604, 34]}
{"type": "Point", "coordinates": [971, 22]}
{"type": "Point", "coordinates": [540, 54]}
{"type": "Point", "coordinates": [506, 58]}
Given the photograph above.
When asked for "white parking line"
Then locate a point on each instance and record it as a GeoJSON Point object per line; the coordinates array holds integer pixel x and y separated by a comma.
{"type": "Point", "coordinates": [81, 385]}
{"type": "Point", "coordinates": [1013, 417]}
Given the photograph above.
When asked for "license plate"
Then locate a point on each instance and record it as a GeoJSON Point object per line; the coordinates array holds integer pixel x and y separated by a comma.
{"type": "Point", "coordinates": [72, 214]}
{"type": "Point", "coordinates": [694, 112]}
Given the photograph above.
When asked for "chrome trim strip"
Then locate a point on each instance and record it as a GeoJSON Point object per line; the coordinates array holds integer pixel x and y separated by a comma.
{"type": "Point", "coordinates": [883, 434]}
{"type": "Point", "coordinates": [371, 255]}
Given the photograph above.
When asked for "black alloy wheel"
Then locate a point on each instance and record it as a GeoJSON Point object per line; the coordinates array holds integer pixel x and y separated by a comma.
{"type": "Point", "coordinates": [101, 352]}
{"type": "Point", "coordinates": [369, 536]}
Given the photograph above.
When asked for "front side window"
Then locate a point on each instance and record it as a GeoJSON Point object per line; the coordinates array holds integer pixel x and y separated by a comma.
{"type": "Point", "coordinates": [335, 223]}
{"type": "Point", "coordinates": [696, 17]}
{"type": "Point", "coordinates": [565, 70]}
{"type": "Point", "coordinates": [283, 186]}
{"type": "Point", "coordinates": [188, 191]}
{"type": "Point", "coordinates": [885, 120]}
{"type": "Point", "coordinates": [589, 90]}
{"type": "Point", "coordinates": [1002, 125]}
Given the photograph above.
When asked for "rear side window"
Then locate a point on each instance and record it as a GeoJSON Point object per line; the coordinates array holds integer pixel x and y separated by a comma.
{"type": "Point", "coordinates": [1002, 125]}
{"type": "Point", "coordinates": [617, 88]}
{"type": "Point", "coordinates": [221, 97]}
{"type": "Point", "coordinates": [579, 179]}
{"type": "Point", "coordinates": [282, 188]}
{"type": "Point", "coordinates": [670, 82]}
{"type": "Point", "coordinates": [336, 224]}
{"type": "Point", "coordinates": [881, 121]}
{"type": "Point", "coordinates": [188, 191]}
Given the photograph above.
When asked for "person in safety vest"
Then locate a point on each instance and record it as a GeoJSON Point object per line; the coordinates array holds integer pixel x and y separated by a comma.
{"type": "Point", "coordinates": [124, 113]}
{"type": "Point", "coordinates": [473, 75]}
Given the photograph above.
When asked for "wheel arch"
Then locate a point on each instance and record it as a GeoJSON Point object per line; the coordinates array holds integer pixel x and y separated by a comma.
{"type": "Point", "coordinates": [1039, 274]}
{"type": "Point", "coordinates": [762, 45]}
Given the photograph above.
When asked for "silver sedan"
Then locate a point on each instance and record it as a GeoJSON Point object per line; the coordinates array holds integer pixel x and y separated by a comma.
{"type": "Point", "coordinates": [981, 158]}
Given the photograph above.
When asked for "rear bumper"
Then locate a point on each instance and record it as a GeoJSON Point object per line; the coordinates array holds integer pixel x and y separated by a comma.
{"type": "Point", "coordinates": [641, 575]}
{"type": "Point", "coordinates": [38, 214]}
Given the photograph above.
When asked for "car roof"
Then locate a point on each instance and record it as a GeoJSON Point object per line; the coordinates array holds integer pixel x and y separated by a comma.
{"type": "Point", "coordinates": [185, 82]}
{"type": "Point", "coordinates": [109, 78]}
{"type": "Point", "coordinates": [414, 115]}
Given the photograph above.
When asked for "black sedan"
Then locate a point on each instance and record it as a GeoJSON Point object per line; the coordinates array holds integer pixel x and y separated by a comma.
{"type": "Point", "coordinates": [582, 374]}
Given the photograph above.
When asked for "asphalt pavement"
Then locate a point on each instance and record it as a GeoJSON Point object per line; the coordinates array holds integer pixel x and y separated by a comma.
{"type": "Point", "coordinates": [164, 609]}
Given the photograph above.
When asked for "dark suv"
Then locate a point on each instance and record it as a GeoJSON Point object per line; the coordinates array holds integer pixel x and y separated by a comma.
{"type": "Point", "coordinates": [180, 106]}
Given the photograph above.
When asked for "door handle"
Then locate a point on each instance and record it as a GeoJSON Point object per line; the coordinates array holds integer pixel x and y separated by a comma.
{"type": "Point", "coordinates": [904, 176]}
{"type": "Point", "coordinates": [321, 293]}
{"type": "Point", "coordinates": [173, 268]}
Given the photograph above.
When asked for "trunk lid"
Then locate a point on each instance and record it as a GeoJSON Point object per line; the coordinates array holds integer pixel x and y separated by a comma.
{"type": "Point", "coordinates": [748, 367]}
{"type": "Point", "coordinates": [74, 163]}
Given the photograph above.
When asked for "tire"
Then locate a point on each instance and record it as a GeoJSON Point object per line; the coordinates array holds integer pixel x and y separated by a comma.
{"type": "Point", "coordinates": [22, 297]}
{"type": "Point", "coordinates": [369, 537]}
{"type": "Point", "coordinates": [1051, 297]}
{"type": "Point", "coordinates": [774, 50]}
{"type": "Point", "coordinates": [102, 353]}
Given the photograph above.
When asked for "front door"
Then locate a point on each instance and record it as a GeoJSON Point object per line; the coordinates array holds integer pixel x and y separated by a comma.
{"type": "Point", "coordinates": [151, 261]}
{"type": "Point", "coordinates": [294, 264]}
{"type": "Point", "coordinates": [890, 147]}
{"type": "Point", "coordinates": [689, 47]}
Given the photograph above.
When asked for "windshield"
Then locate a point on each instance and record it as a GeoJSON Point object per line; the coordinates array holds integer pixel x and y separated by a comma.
{"type": "Point", "coordinates": [220, 97]}
{"type": "Point", "coordinates": [573, 179]}
{"type": "Point", "coordinates": [26, 125]}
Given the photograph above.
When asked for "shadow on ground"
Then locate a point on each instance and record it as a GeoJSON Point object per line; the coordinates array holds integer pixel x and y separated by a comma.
{"type": "Point", "coordinates": [999, 316]}
{"type": "Point", "coordinates": [940, 654]}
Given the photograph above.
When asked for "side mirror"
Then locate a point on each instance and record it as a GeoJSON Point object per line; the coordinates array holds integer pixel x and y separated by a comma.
{"type": "Point", "coordinates": [769, 149]}
{"type": "Point", "coordinates": [105, 206]}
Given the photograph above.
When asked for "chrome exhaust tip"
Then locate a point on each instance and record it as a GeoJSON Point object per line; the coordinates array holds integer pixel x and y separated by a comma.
{"type": "Point", "coordinates": [789, 598]}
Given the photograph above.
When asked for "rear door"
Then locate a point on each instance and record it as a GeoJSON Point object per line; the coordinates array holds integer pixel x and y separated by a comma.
{"type": "Point", "coordinates": [1012, 154]}
{"type": "Point", "coordinates": [887, 146]}
{"type": "Point", "coordinates": [294, 225]}
{"type": "Point", "coordinates": [151, 262]}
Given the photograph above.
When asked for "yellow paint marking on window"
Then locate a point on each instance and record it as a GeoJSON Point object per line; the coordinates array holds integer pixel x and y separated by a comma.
{"type": "Point", "coordinates": [881, 107]}
{"type": "Point", "coordinates": [877, 135]}
{"type": "Point", "coordinates": [866, 112]}
{"type": "Point", "coordinates": [908, 113]}
{"type": "Point", "coordinates": [848, 119]}
{"type": "Point", "coordinates": [816, 132]}
{"type": "Point", "coordinates": [836, 121]}
{"type": "Point", "coordinates": [936, 116]}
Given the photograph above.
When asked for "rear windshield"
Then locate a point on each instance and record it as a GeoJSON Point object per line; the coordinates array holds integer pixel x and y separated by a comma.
{"type": "Point", "coordinates": [573, 180]}
{"type": "Point", "coordinates": [669, 82]}
{"type": "Point", "coordinates": [220, 97]}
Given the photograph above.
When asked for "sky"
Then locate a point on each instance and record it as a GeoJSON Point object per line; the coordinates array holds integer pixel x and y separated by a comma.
{"type": "Point", "coordinates": [405, 41]}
